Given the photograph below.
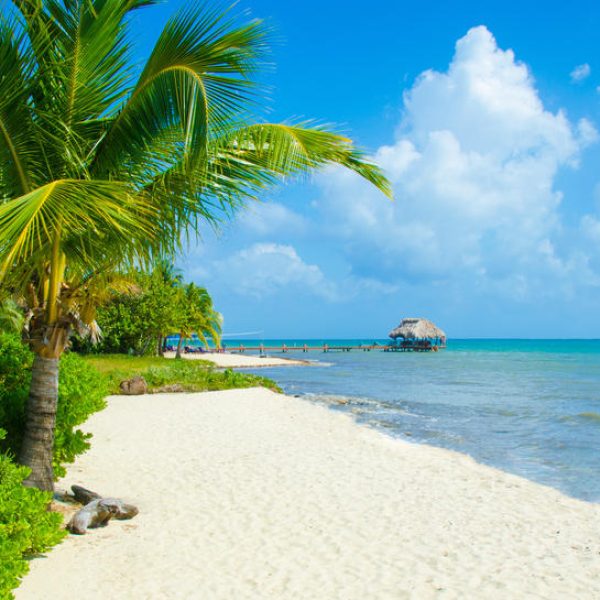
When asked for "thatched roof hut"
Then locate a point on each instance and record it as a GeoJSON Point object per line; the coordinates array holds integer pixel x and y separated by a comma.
{"type": "Point", "coordinates": [417, 329]}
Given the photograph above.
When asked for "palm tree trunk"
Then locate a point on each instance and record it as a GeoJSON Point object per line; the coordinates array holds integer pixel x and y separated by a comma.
{"type": "Point", "coordinates": [159, 346]}
{"type": "Point", "coordinates": [179, 345]}
{"type": "Point", "coordinates": [38, 439]}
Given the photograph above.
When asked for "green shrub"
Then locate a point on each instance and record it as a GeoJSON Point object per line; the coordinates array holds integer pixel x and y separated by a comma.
{"type": "Point", "coordinates": [15, 377]}
{"type": "Point", "coordinates": [26, 526]}
{"type": "Point", "coordinates": [81, 392]}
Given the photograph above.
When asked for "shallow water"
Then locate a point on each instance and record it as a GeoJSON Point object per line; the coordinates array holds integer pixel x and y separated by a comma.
{"type": "Point", "coordinates": [530, 407]}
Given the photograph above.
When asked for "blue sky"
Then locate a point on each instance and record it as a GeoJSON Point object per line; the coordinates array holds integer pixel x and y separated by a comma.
{"type": "Point", "coordinates": [486, 118]}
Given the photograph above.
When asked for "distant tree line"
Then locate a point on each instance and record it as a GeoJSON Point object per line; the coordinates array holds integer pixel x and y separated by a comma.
{"type": "Point", "coordinates": [145, 308]}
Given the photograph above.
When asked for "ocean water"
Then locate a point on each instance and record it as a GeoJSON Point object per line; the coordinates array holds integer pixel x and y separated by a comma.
{"type": "Point", "coordinates": [529, 407]}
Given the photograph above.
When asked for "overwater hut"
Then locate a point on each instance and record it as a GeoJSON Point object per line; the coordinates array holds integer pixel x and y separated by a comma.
{"type": "Point", "coordinates": [417, 334]}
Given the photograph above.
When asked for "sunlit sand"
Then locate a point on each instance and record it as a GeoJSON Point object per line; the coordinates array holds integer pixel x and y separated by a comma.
{"type": "Point", "coordinates": [251, 494]}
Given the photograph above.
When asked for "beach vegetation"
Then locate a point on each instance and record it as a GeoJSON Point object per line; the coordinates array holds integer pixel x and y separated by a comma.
{"type": "Point", "coordinates": [27, 527]}
{"type": "Point", "coordinates": [82, 390]}
{"type": "Point", "coordinates": [197, 315]}
{"type": "Point", "coordinates": [138, 320]}
{"type": "Point", "coordinates": [11, 316]}
{"type": "Point", "coordinates": [187, 375]}
{"type": "Point", "coordinates": [104, 165]}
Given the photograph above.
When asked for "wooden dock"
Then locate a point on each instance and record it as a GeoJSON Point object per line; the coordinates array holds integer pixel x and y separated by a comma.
{"type": "Point", "coordinates": [422, 346]}
{"type": "Point", "coordinates": [305, 348]}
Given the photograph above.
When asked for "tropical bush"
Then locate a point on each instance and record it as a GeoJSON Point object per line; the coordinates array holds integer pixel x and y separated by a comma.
{"type": "Point", "coordinates": [137, 319]}
{"type": "Point", "coordinates": [26, 526]}
{"type": "Point", "coordinates": [15, 377]}
{"type": "Point", "coordinates": [81, 392]}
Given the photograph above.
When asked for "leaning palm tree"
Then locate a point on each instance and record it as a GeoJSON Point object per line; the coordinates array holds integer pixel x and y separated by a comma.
{"type": "Point", "coordinates": [104, 167]}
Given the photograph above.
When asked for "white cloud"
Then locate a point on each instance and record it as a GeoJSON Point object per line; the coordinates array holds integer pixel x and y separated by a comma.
{"type": "Point", "coordinates": [266, 268]}
{"type": "Point", "coordinates": [473, 168]}
{"type": "Point", "coordinates": [269, 218]}
{"type": "Point", "coordinates": [580, 72]}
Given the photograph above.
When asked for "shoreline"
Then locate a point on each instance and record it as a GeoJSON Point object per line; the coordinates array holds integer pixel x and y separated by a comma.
{"type": "Point", "coordinates": [227, 360]}
{"type": "Point", "coordinates": [247, 493]}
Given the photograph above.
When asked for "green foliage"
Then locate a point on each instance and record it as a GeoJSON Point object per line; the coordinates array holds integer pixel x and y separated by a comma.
{"type": "Point", "coordinates": [11, 317]}
{"type": "Point", "coordinates": [15, 377]}
{"type": "Point", "coordinates": [81, 392]}
{"type": "Point", "coordinates": [159, 303]}
{"type": "Point", "coordinates": [26, 526]}
{"type": "Point", "coordinates": [197, 315]}
{"type": "Point", "coordinates": [133, 322]}
{"type": "Point", "coordinates": [192, 375]}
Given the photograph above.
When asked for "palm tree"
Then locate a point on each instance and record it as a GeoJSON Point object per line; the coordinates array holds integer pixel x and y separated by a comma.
{"type": "Point", "coordinates": [103, 167]}
{"type": "Point", "coordinates": [197, 315]}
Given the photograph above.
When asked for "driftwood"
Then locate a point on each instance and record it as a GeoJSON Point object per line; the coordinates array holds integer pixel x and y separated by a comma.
{"type": "Point", "coordinates": [97, 511]}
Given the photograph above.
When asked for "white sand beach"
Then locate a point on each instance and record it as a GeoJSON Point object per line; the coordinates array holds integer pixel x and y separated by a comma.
{"type": "Point", "coordinates": [249, 494]}
{"type": "Point", "coordinates": [240, 361]}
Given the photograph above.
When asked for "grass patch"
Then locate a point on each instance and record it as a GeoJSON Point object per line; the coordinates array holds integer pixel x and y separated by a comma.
{"type": "Point", "coordinates": [191, 375]}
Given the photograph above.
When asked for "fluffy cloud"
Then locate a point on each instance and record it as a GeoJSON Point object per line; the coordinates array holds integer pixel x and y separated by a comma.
{"type": "Point", "coordinates": [473, 168]}
{"type": "Point", "coordinates": [580, 72]}
{"type": "Point", "coordinates": [266, 268]}
{"type": "Point", "coordinates": [271, 218]}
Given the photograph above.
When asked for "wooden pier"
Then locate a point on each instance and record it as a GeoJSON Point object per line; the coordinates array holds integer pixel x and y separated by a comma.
{"type": "Point", "coordinates": [405, 346]}
{"type": "Point", "coordinates": [304, 348]}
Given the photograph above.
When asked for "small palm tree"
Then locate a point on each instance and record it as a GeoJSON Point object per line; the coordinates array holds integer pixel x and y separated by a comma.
{"type": "Point", "coordinates": [197, 315]}
{"type": "Point", "coordinates": [165, 282]}
{"type": "Point", "coordinates": [103, 167]}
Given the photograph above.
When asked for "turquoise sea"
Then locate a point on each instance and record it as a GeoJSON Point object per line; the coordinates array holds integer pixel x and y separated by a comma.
{"type": "Point", "coordinates": [529, 407]}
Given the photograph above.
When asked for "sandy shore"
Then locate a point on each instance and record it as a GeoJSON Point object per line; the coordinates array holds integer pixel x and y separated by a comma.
{"type": "Point", "coordinates": [248, 494]}
{"type": "Point", "coordinates": [240, 361]}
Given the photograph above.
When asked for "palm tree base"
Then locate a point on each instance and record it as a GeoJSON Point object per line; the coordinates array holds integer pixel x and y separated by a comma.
{"type": "Point", "coordinates": [38, 439]}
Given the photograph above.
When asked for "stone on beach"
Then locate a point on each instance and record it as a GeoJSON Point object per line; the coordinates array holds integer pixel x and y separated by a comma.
{"type": "Point", "coordinates": [134, 387]}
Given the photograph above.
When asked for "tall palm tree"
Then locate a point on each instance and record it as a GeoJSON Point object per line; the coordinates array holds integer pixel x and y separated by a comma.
{"type": "Point", "coordinates": [103, 166]}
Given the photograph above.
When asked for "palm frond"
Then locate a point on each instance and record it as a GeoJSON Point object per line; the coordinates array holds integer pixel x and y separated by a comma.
{"type": "Point", "coordinates": [11, 316]}
{"type": "Point", "coordinates": [262, 153]}
{"type": "Point", "coordinates": [92, 218]}
{"type": "Point", "coordinates": [17, 142]}
{"type": "Point", "coordinates": [196, 80]}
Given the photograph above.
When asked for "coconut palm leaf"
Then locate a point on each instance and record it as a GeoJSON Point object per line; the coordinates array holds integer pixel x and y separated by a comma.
{"type": "Point", "coordinates": [196, 80]}
{"type": "Point", "coordinates": [89, 212]}
{"type": "Point", "coordinates": [11, 316]}
{"type": "Point", "coordinates": [244, 162]}
{"type": "Point", "coordinates": [17, 143]}
{"type": "Point", "coordinates": [269, 151]}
